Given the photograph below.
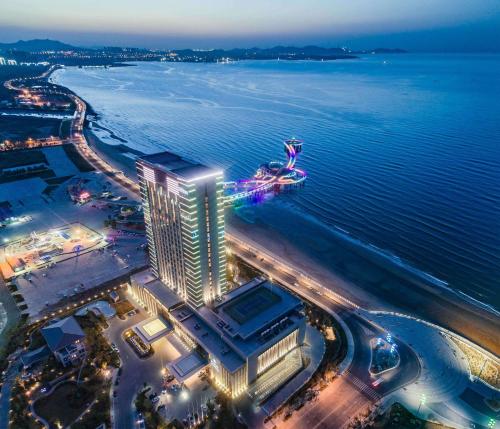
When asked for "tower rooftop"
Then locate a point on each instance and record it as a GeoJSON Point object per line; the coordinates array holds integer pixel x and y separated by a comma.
{"type": "Point", "coordinates": [183, 168]}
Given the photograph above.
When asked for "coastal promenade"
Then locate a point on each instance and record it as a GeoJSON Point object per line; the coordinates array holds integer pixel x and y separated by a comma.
{"type": "Point", "coordinates": [352, 391]}
{"type": "Point", "coordinates": [473, 322]}
{"type": "Point", "coordinates": [357, 384]}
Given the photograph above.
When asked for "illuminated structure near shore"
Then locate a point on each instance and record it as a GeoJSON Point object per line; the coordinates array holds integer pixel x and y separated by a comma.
{"type": "Point", "coordinates": [250, 337]}
{"type": "Point", "coordinates": [184, 217]}
{"type": "Point", "coordinates": [270, 176]}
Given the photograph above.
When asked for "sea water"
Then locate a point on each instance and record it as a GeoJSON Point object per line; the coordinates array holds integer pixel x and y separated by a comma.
{"type": "Point", "coordinates": [402, 151]}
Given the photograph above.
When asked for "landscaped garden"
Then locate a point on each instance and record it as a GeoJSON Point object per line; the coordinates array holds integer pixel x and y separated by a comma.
{"type": "Point", "coordinates": [397, 417]}
{"type": "Point", "coordinates": [83, 389]}
{"type": "Point", "coordinates": [385, 356]}
{"type": "Point", "coordinates": [122, 308]}
{"type": "Point", "coordinates": [75, 397]}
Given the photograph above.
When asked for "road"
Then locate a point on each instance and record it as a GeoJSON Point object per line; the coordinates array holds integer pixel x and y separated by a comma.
{"type": "Point", "coordinates": [349, 393]}
{"type": "Point", "coordinates": [130, 379]}
{"type": "Point", "coordinates": [356, 381]}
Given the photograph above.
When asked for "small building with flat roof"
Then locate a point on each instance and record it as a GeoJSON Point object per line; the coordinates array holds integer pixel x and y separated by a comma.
{"type": "Point", "coordinates": [152, 329]}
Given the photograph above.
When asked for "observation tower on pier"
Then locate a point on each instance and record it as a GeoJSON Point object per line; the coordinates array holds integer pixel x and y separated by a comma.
{"type": "Point", "coordinates": [270, 176]}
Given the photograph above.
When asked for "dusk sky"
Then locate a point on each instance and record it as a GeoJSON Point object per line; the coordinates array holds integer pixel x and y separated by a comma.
{"type": "Point", "coordinates": [423, 25]}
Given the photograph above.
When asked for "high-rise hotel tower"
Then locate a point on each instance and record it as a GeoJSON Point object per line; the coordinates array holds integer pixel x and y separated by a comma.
{"type": "Point", "coordinates": [183, 206]}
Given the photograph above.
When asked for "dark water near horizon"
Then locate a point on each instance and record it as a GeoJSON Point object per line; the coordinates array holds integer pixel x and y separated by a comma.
{"type": "Point", "coordinates": [402, 151]}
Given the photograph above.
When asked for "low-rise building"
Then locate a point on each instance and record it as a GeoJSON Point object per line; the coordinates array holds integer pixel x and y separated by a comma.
{"type": "Point", "coordinates": [66, 340]}
{"type": "Point", "coordinates": [250, 337]}
{"type": "Point", "coordinates": [243, 334]}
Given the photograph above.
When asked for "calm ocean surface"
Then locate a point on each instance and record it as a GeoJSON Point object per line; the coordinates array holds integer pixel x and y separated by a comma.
{"type": "Point", "coordinates": [402, 151]}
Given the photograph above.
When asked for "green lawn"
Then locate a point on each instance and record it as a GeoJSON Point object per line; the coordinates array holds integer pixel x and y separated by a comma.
{"type": "Point", "coordinates": [75, 399]}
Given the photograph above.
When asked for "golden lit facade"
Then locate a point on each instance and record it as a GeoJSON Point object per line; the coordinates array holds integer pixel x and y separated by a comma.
{"type": "Point", "coordinates": [233, 384]}
{"type": "Point", "coordinates": [184, 218]}
{"type": "Point", "coordinates": [276, 352]}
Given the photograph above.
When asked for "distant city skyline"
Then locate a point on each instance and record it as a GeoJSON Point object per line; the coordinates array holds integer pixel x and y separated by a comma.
{"type": "Point", "coordinates": [425, 25]}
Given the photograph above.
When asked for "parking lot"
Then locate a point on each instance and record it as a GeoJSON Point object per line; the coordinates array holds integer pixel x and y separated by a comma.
{"type": "Point", "coordinates": [45, 287]}
{"type": "Point", "coordinates": [173, 400]}
{"type": "Point", "coordinates": [68, 247]}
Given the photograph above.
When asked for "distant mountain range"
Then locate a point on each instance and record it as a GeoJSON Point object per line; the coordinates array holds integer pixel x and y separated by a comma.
{"type": "Point", "coordinates": [55, 52]}
{"type": "Point", "coordinates": [41, 45]}
{"type": "Point", "coordinates": [37, 45]}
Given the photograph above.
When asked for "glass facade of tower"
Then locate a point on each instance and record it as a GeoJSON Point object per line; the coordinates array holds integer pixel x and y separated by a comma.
{"type": "Point", "coordinates": [184, 216]}
{"type": "Point", "coordinates": [250, 335]}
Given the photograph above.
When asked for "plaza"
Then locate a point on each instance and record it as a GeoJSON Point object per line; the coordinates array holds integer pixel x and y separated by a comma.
{"type": "Point", "coordinates": [62, 249]}
{"type": "Point", "coordinates": [46, 248]}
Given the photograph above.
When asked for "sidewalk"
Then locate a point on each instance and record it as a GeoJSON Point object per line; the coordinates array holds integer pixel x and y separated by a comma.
{"type": "Point", "coordinates": [442, 392]}
{"type": "Point", "coordinates": [5, 393]}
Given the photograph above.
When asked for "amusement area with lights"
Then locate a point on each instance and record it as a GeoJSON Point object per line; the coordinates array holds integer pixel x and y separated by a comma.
{"type": "Point", "coordinates": [272, 176]}
{"type": "Point", "coordinates": [36, 250]}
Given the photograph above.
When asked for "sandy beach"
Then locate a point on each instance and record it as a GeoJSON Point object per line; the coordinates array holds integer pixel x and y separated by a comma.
{"type": "Point", "coordinates": [358, 275]}
{"type": "Point", "coordinates": [386, 291]}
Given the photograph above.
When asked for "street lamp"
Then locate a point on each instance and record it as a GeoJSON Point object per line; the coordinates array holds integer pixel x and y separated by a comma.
{"type": "Point", "coordinates": [423, 400]}
{"type": "Point", "coordinates": [491, 423]}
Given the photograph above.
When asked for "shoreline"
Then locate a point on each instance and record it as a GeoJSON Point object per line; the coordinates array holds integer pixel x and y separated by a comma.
{"type": "Point", "coordinates": [388, 287]}
{"type": "Point", "coordinates": [436, 305]}
{"type": "Point", "coordinates": [408, 294]}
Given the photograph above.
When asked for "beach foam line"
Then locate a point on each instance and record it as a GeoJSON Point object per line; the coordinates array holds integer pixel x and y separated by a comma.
{"type": "Point", "coordinates": [384, 253]}
{"type": "Point", "coordinates": [401, 263]}
{"type": "Point", "coordinates": [38, 115]}
{"type": "Point", "coordinates": [477, 302]}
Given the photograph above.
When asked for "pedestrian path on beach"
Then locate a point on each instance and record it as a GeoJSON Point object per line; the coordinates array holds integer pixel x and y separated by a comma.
{"type": "Point", "coordinates": [439, 392]}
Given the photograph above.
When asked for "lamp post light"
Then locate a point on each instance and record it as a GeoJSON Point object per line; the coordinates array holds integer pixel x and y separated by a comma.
{"type": "Point", "coordinates": [423, 400]}
{"type": "Point", "coordinates": [491, 423]}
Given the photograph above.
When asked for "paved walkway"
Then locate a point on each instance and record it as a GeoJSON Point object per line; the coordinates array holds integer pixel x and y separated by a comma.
{"type": "Point", "coordinates": [442, 392]}
{"type": "Point", "coordinates": [5, 393]}
{"type": "Point", "coordinates": [313, 349]}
